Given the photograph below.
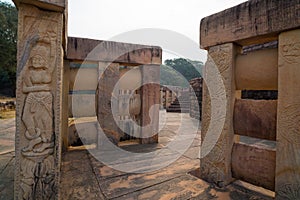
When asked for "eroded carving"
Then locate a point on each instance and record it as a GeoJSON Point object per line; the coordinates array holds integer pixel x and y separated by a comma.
{"type": "Point", "coordinates": [288, 191]}
{"type": "Point", "coordinates": [37, 165]}
{"type": "Point", "coordinates": [290, 51]}
{"type": "Point", "coordinates": [289, 116]}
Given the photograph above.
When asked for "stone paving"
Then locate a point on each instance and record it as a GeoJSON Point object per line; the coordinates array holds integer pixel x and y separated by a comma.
{"type": "Point", "coordinates": [84, 177]}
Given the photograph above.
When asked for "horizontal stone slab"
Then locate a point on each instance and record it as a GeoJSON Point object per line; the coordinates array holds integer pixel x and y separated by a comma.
{"type": "Point", "coordinates": [257, 70]}
{"type": "Point", "coordinates": [255, 118]}
{"type": "Point", "coordinates": [83, 79]}
{"type": "Point", "coordinates": [108, 51]}
{"type": "Point", "coordinates": [52, 5]}
{"type": "Point", "coordinates": [255, 164]}
{"type": "Point", "coordinates": [82, 105]}
{"type": "Point", "coordinates": [255, 21]}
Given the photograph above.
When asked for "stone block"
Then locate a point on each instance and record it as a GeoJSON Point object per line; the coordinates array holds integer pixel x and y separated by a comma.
{"type": "Point", "coordinates": [255, 21]}
{"type": "Point", "coordinates": [107, 51]}
{"type": "Point", "coordinates": [83, 79]}
{"type": "Point", "coordinates": [257, 70]}
{"type": "Point", "coordinates": [51, 5]}
{"type": "Point", "coordinates": [82, 105]}
{"type": "Point", "coordinates": [255, 118]}
{"type": "Point", "coordinates": [254, 163]}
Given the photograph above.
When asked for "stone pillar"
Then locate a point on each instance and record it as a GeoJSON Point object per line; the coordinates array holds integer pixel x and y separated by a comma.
{"type": "Point", "coordinates": [65, 104]}
{"type": "Point", "coordinates": [39, 99]}
{"type": "Point", "coordinates": [150, 103]}
{"type": "Point", "coordinates": [107, 82]}
{"type": "Point", "coordinates": [216, 165]}
{"type": "Point", "coordinates": [287, 179]}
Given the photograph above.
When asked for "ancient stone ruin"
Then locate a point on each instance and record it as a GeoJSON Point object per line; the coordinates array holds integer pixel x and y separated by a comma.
{"type": "Point", "coordinates": [58, 77]}
{"type": "Point", "coordinates": [269, 155]}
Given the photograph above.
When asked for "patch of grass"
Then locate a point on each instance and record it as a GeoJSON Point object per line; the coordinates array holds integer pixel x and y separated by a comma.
{"type": "Point", "coordinates": [7, 114]}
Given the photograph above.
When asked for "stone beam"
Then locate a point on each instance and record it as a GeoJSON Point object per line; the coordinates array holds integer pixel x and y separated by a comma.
{"type": "Point", "coordinates": [117, 52]}
{"type": "Point", "coordinates": [51, 5]}
{"type": "Point", "coordinates": [255, 21]}
{"type": "Point", "coordinates": [254, 163]}
{"type": "Point", "coordinates": [255, 118]}
{"type": "Point", "coordinates": [39, 101]}
{"type": "Point", "coordinates": [257, 70]}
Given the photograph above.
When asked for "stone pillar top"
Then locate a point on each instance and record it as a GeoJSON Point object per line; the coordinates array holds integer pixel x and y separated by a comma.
{"type": "Point", "coordinates": [252, 22]}
{"type": "Point", "coordinates": [52, 5]}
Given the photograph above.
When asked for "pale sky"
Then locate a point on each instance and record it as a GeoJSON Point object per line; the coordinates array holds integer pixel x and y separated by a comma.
{"type": "Point", "coordinates": [107, 19]}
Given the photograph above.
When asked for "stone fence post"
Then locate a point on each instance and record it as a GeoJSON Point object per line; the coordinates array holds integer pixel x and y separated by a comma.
{"type": "Point", "coordinates": [41, 43]}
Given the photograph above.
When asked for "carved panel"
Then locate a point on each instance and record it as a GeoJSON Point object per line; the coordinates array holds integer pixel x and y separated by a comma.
{"type": "Point", "coordinates": [217, 125]}
{"type": "Point", "coordinates": [38, 145]}
{"type": "Point", "coordinates": [287, 180]}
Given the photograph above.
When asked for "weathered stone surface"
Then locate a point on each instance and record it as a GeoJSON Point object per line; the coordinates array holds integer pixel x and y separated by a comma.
{"type": "Point", "coordinates": [107, 82]}
{"type": "Point", "coordinates": [78, 180]}
{"type": "Point", "coordinates": [150, 103]}
{"type": "Point", "coordinates": [196, 86]}
{"type": "Point", "coordinates": [82, 105]}
{"type": "Point", "coordinates": [39, 88]}
{"type": "Point", "coordinates": [254, 163]}
{"type": "Point", "coordinates": [215, 162]}
{"type": "Point", "coordinates": [65, 105]}
{"type": "Point", "coordinates": [132, 54]}
{"type": "Point", "coordinates": [288, 117]}
{"type": "Point", "coordinates": [83, 79]}
{"type": "Point", "coordinates": [255, 118]}
{"type": "Point", "coordinates": [51, 5]}
{"type": "Point", "coordinates": [250, 22]}
{"type": "Point", "coordinates": [83, 130]}
{"type": "Point", "coordinates": [257, 70]}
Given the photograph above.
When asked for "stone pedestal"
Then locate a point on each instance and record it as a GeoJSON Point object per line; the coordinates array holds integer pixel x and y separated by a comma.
{"type": "Point", "coordinates": [215, 163]}
{"type": "Point", "coordinates": [288, 117]}
{"type": "Point", "coordinates": [39, 99]}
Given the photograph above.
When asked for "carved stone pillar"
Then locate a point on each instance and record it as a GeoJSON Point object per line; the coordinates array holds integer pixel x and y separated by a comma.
{"type": "Point", "coordinates": [39, 99]}
{"type": "Point", "coordinates": [217, 140]}
{"type": "Point", "coordinates": [287, 179]}
{"type": "Point", "coordinates": [150, 103]}
{"type": "Point", "coordinates": [107, 82]}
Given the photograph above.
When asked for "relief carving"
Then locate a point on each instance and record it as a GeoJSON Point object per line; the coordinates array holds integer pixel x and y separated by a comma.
{"type": "Point", "coordinates": [289, 116]}
{"type": "Point", "coordinates": [37, 164]}
{"type": "Point", "coordinates": [290, 51]}
{"type": "Point", "coordinates": [288, 191]}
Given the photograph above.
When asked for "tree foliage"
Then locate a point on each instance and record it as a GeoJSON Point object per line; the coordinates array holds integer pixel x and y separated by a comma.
{"type": "Point", "coordinates": [180, 71]}
{"type": "Point", "coordinates": [8, 46]}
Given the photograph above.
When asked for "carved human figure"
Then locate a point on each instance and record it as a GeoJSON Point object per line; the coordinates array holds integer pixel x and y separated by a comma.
{"type": "Point", "coordinates": [38, 163]}
{"type": "Point", "coordinates": [38, 111]}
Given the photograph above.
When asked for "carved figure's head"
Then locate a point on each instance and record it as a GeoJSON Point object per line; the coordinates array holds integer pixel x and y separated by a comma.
{"type": "Point", "coordinates": [40, 56]}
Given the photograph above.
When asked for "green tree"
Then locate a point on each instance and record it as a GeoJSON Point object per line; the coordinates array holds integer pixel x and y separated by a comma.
{"type": "Point", "coordinates": [169, 76]}
{"type": "Point", "coordinates": [8, 46]}
{"type": "Point", "coordinates": [179, 71]}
